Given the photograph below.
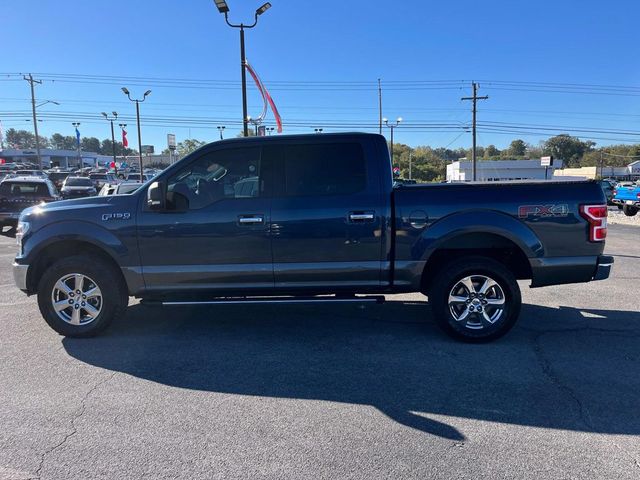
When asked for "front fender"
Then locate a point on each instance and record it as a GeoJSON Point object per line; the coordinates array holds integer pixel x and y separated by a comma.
{"type": "Point", "coordinates": [81, 231]}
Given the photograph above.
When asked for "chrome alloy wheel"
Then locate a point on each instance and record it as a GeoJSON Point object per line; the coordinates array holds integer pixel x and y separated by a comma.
{"type": "Point", "coordinates": [477, 301]}
{"type": "Point", "coordinates": [76, 299]}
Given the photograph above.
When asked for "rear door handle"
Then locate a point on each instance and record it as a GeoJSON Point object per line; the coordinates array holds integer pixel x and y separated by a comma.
{"type": "Point", "coordinates": [361, 216]}
{"type": "Point", "coordinates": [250, 219]}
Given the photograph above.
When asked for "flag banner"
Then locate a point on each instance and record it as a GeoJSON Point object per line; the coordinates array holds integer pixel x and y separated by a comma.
{"type": "Point", "coordinates": [125, 142]}
{"type": "Point", "coordinates": [77, 137]}
{"type": "Point", "coordinates": [265, 97]}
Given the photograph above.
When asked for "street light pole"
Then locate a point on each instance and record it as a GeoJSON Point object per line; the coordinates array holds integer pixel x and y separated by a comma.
{"type": "Point", "coordinates": [224, 8]}
{"type": "Point", "coordinates": [392, 127]}
{"type": "Point", "coordinates": [113, 136]}
{"type": "Point", "coordinates": [270, 129]}
{"type": "Point", "coordinates": [220, 129]}
{"type": "Point", "coordinates": [138, 101]}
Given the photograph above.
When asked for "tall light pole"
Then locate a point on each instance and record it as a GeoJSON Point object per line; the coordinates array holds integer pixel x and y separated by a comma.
{"type": "Point", "coordinates": [318, 130]}
{"type": "Point", "coordinates": [76, 125]}
{"type": "Point", "coordinates": [391, 127]}
{"type": "Point", "coordinates": [221, 129]}
{"type": "Point", "coordinates": [270, 129]}
{"type": "Point", "coordinates": [113, 136]}
{"type": "Point", "coordinates": [224, 8]}
{"type": "Point", "coordinates": [138, 101]}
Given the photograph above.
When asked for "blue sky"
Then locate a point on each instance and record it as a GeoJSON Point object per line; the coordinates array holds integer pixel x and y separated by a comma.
{"type": "Point", "coordinates": [321, 62]}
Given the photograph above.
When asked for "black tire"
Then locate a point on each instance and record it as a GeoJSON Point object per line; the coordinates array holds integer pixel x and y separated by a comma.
{"type": "Point", "coordinates": [629, 210]}
{"type": "Point", "coordinates": [475, 327]}
{"type": "Point", "coordinates": [619, 207]}
{"type": "Point", "coordinates": [112, 301]}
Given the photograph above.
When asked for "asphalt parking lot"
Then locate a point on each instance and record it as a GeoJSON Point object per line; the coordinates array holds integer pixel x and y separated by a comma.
{"type": "Point", "coordinates": [330, 391]}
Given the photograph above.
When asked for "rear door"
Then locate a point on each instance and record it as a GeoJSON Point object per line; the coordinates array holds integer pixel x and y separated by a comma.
{"type": "Point", "coordinates": [327, 216]}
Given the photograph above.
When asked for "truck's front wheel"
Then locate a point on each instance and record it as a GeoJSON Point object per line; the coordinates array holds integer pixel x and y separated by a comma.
{"type": "Point", "coordinates": [475, 299]}
{"type": "Point", "coordinates": [79, 296]}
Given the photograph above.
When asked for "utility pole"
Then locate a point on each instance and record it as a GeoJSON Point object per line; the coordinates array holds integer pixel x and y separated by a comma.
{"type": "Point", "coordinates": [379, 107]}
{"type": "Point", "coordinates": [474, 99]}
{"type": "Point", "coordinates": [410, 165]}
{"type": "Point", "coordinates": [33, 111]}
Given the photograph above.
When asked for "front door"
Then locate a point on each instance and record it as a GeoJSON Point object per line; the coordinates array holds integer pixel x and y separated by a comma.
{"type": "Point", "coordinates": [214, 234]}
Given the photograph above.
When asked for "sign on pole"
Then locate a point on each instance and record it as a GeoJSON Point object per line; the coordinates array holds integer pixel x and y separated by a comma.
{"type": "Point", "coordinates": [546, 161]}
{"type": "Point", "coordinates": [147, 149]}
{"type": "Point", "coordinates": [171, 141]}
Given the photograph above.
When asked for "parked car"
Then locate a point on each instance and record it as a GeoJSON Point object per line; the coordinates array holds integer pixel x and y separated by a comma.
{"type": "Point", "coordinates": [627, 197]}
{"type": "Point", "coordinates": [58, 177]}
{"type": "Point", "coordinates": [18, 193]}
{"type": "Point", "coordinates": [31, 173]}
{"type": "Point", "coordinates": [76, 187]}
{"type": "Point", "coordinates": [135, 177]}
{"type": "Point", "coordinates": [324, 224]}
{"type": "Point", "coordinates": [608, 189]}
{"type": "Point", "coordinates": [99, 179]}
{"type": "Point", "coordinates": [119, 189]}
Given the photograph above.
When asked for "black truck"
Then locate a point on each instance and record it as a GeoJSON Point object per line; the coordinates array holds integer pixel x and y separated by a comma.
{"type": "Point", "coordinates": [309, 218]}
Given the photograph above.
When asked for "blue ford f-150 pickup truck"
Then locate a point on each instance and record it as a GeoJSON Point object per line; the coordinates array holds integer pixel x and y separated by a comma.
{"type": "Point", "coordinates": [308, 218]}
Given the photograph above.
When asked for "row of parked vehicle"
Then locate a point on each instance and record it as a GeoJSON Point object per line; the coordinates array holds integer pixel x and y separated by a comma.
{"type": "Point", "coordinates": [625, 195]}
{"type": "Point", "coordinates": [24, 187]}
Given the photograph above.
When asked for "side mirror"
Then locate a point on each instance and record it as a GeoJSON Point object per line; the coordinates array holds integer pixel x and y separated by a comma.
{"type": "Point", "coordinates": [156, 196]}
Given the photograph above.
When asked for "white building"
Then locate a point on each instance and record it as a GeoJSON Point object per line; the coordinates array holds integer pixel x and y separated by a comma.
{"type": "Point", "coordinates": [54, 158]}
{"type": "Point", "coordinates": [500, 170]}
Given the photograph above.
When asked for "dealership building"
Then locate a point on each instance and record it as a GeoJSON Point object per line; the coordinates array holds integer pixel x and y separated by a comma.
{"type": "Point", "coordinates": [54, 158]}
{"type": "Point", "coordinates": [500, 170]}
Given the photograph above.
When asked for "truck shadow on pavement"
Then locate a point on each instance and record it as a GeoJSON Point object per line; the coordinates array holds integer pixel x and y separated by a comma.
{"type": "Point", "coordinates": [559, 368]}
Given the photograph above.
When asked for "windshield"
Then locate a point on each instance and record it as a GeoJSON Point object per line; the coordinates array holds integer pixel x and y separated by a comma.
{"type": "Point", "coordinates": [78, 182]}
{"type": "Point", "coordinates": [97, 176]}
{"type": "Point", "coordinates": [24, 189]}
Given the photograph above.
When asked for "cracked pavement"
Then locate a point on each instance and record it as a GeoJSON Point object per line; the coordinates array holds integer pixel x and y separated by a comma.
{"type": "Point", "coordinates": [330, 391]}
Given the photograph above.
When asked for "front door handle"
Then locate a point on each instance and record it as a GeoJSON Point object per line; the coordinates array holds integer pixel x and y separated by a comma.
{"type": "Point", "coordinates": [361, 216]}
{"type": "Point", "coordinates": [250, 219]}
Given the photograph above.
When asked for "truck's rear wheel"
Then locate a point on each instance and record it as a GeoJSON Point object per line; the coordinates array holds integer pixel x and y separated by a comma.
{"type": "Point", "coordinates": [475, 299]}
{"type": "Point", "coordinates": [80, 296]}
{"type": "Point", "coordinates": [629, 210]}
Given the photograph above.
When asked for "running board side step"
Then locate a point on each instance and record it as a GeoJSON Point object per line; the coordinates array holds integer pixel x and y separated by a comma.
{"type": "Point", "coordinates": [279, 300]}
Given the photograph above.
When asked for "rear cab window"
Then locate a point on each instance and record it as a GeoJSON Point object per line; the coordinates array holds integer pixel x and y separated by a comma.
{"type": "Point", "coordinates": [324, 169]}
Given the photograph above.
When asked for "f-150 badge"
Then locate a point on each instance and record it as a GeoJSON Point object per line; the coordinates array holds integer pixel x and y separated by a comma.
{"type": "Point", "coordinates": [116, 216]}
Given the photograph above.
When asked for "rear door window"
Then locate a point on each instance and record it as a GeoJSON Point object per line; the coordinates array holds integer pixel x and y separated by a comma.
{"type": "Point", "coordinates": [324, 169]}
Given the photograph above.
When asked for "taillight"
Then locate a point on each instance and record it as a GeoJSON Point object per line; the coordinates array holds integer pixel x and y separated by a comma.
{"type": "Point", "coordinates": [615, 192]}
{"type": "Point", "coordinates": [596, 215]}
{"type": "Point", "coordinates": [638, 196]}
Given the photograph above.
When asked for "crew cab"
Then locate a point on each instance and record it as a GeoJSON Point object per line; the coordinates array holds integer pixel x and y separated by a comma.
{"type": "Point", "coordinates": [627, 197]}
{"type": "Point", "coordinates": [309, 218]}
{"type": "Point", "coordinates": [18, 193]}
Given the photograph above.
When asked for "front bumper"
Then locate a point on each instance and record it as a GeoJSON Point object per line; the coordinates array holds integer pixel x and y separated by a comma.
{"type": "Point", "coordinates": [603, 268]}
{"type": "Point", "coordinates": [20, 276]}
{"type": "Point", "coordinates": [9, 218]}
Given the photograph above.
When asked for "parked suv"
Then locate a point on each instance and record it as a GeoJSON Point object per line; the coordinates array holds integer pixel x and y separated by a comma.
{"type": "Point", "coordinates": [75, 187]}
{"type": "Point", "coordinates": [18, 193]}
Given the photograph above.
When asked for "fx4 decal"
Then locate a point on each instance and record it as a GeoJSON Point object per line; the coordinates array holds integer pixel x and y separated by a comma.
{"type": "Point", "coordinates": [560, 210]}
{"type": "Point", "coordinates": [116, 216]}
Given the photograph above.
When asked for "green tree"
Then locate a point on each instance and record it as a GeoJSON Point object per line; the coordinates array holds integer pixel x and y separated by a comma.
{"type": "Point", "coordinates": [187, 146]}
{"type": "Point", "coordinates": [567, 148]}
{"type": "Point", "coordinates": [90, 144]}
{"type": "Point", "coordinates": [24, 139]}
{"type": "Point", "coordinates": [106, 148]}
{"type": "Point", "coordinates": [491, 152]}
{"type": "Point", "coordinates": [517, 148]}
{"type": "Point", "coordinates": [63, 142]}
